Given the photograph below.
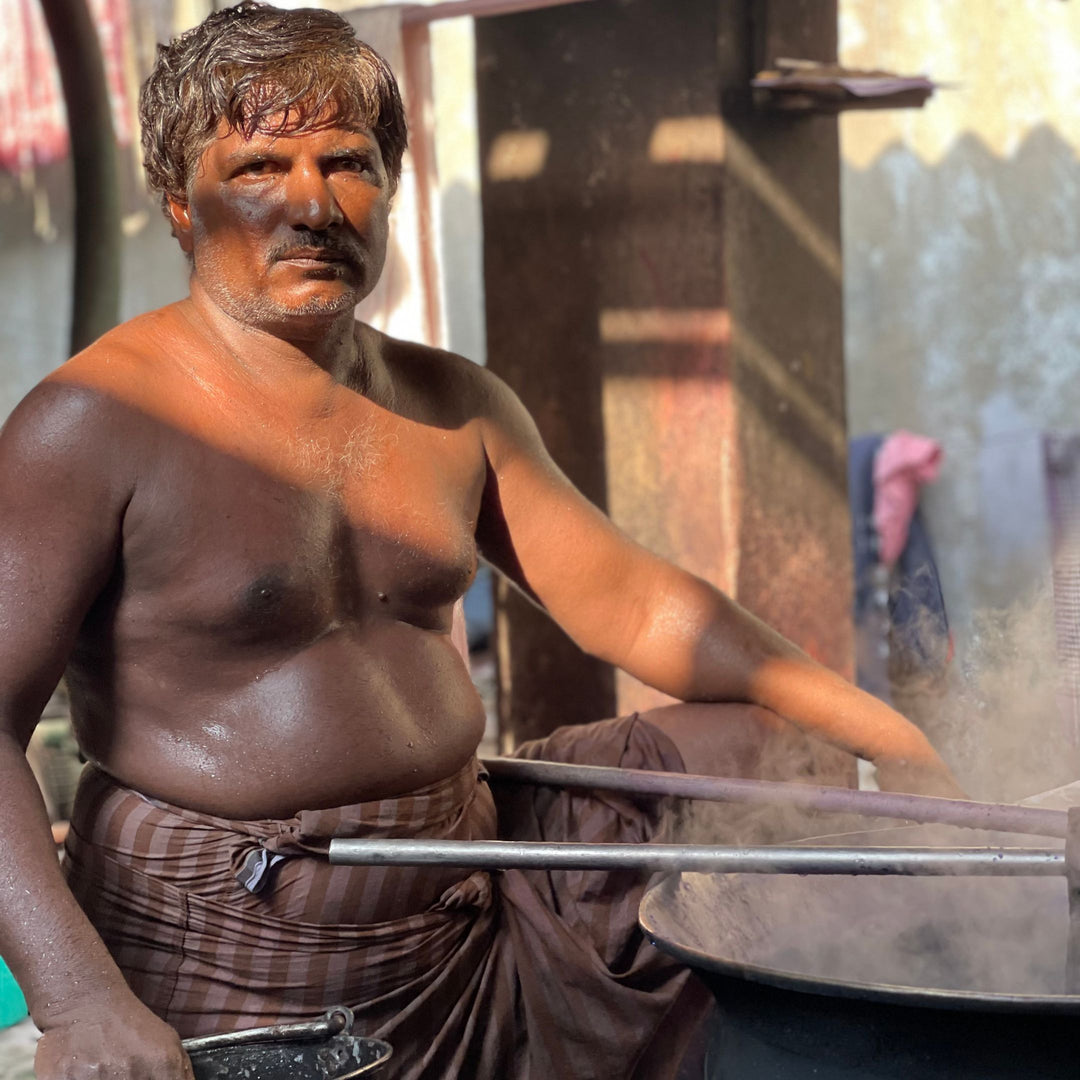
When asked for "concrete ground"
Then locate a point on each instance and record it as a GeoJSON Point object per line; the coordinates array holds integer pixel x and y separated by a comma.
{"type": "Point", "coordinates": [17, 1045]}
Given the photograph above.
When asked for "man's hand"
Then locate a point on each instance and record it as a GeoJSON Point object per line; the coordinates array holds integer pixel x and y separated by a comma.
{"type": "Point", "coordinates": [921, 779]}
{"type": "Point", "coordinates": [119, 1039]}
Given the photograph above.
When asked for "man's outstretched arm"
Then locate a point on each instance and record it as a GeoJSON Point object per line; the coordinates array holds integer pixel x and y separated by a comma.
{"type": "Point", "coordinates": [661, 624]}
{"type": "Point", "coordinates": [62, 497]}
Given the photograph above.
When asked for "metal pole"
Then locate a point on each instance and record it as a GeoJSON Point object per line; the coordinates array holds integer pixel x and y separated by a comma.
{"type": "Point", "coordinates": [96, 286]}
{"type": "Point", "coordinates": [520, 855]}
{"type": "Point", "coordinates": [922, 809]}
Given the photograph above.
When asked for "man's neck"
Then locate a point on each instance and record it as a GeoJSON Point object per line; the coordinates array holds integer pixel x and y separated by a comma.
{"type": "Point", "coordinates": [292, 348]}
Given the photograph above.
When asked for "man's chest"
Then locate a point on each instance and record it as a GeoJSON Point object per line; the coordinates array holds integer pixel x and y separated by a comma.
{"type": "Point", "coordinates": [303, 525]}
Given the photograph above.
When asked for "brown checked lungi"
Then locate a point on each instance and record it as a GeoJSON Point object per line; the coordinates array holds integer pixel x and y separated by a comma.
{"type": "Point", "coordinates": [519, 975]}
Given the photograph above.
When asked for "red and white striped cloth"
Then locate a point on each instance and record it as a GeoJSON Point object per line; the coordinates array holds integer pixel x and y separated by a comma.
{"type": "Point", "coordinates": [33, 120]}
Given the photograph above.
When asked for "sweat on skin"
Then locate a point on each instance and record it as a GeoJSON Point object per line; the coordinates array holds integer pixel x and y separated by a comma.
{"type": "Point", "coordinates": [260, 515]}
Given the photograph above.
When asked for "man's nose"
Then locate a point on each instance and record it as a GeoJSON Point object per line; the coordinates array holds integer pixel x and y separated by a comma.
{"type": "Point", "coordinates": [311, 201]}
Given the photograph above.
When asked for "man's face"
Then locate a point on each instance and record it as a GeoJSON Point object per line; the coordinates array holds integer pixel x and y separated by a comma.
{"type": "Point", "coordinates": [286, 227]}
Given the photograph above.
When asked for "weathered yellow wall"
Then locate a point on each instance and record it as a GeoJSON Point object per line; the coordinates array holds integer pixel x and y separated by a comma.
{"type": "Point", "coordinates": [961, 226]}
{"type": "Point", "coordinates": [1013, 64]}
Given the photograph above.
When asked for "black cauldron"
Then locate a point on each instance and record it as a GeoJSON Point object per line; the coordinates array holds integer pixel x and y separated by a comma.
{"type": "Point", "coordinates": [876, 978]}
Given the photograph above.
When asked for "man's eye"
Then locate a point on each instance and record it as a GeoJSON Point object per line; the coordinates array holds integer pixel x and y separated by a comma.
{"type": "Point", "coordinates": [354, 164]}
{"type": "Point", "coordinates": [255, 168]}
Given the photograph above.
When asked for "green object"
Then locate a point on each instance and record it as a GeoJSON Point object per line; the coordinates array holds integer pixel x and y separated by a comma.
{"type": "Point", "coordinates": [12, 1002]}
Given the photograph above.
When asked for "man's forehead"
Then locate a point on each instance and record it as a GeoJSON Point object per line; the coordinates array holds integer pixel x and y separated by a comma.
{"type": "Point", "coordinates": [277, 132]}
{"type": "Point", "coordinates": [286, 126]}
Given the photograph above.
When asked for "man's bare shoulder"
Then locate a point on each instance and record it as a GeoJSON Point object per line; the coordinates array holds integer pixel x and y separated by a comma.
{"type": "Point", "coordinates": [126, 362]}
{"type": "Point", "coordinates": [90, 409]}
{"type": "Point", "coordinates": [457, 388]}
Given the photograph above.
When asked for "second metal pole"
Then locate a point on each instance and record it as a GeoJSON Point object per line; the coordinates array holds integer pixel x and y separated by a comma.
{"type": "Point", "coordinates": [519, 855]}
{"type": "Point", "coordinates": [919, 808]}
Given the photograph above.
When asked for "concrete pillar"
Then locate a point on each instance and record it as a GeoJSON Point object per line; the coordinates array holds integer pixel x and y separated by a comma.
{"type": "Point", "coordinates": [662, 277]}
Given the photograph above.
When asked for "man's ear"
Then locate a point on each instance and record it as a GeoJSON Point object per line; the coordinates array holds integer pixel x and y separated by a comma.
{"type": "Point", "coordinates": [180, 216]}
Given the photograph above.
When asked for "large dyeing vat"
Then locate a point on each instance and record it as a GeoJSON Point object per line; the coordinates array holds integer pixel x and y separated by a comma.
{"type": "Point", "coordinates": [876, 978]}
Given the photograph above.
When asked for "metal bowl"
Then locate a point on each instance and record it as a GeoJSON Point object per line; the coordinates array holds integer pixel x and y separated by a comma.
{"type": "Point", "coordinates": [323, 1050]}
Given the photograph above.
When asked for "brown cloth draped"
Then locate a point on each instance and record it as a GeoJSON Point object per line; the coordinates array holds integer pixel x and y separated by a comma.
{"type": "Point", "coordinates": [519, 975]}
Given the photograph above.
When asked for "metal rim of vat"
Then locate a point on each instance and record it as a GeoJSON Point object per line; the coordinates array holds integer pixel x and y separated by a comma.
{"type": "Point", "coordinates": [911, 996]}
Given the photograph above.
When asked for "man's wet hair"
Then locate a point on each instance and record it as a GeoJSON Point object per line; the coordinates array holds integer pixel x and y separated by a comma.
{"type": "Point", "coordinates": [261, 68]}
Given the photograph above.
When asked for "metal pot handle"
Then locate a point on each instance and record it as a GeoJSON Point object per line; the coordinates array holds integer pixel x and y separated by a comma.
{"type": "Point", "coordinates": [336, 1021]}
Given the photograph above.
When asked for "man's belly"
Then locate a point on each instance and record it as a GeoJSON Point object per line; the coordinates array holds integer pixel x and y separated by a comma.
{"type": "Point", "coordinates": [355, 716]}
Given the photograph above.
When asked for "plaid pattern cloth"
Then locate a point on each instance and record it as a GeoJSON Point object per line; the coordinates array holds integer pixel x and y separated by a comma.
{"type": "Point", "coordinates": [1062, 455]}
{"type": "Point", "coordinates": [522, 975]}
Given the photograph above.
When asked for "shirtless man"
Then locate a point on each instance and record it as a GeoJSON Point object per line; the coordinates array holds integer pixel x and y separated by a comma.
{"type": "Point", "coordinates": [241, 524]}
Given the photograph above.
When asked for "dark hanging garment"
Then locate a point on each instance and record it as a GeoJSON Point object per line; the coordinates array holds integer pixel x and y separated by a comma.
{"type": "Point", "coordinates": [901, 625]}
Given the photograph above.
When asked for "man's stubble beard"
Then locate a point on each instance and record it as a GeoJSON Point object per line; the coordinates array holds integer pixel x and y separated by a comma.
{"type": "Point", "coordinates": [258, 308]}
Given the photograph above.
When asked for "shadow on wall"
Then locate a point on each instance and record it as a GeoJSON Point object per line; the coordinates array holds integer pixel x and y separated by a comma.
{"type": "Point", "coordinates": [962, 313]}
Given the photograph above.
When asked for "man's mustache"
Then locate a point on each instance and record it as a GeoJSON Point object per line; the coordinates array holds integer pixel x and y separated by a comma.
{"type": "Point", "coordinates": [307, 240]}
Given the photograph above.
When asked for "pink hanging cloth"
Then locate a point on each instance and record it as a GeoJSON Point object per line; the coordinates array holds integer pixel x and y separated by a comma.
{"type": "Point", "coordinates": [903, 464]}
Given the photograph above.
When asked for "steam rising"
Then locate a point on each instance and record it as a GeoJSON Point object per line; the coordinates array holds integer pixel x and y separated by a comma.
{"type": "Point", "coordinates": [982, 935]}
{"type": "Point", "coordinates": [995, 715]}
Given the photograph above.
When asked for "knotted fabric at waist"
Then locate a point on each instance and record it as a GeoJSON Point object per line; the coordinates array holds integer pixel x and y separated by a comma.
{"type": "Point", "coordinates": [283, 861]}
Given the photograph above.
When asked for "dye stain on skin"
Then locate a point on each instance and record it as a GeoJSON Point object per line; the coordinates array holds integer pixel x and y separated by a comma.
{"type": "Point", "coordinates": [285, 225]}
